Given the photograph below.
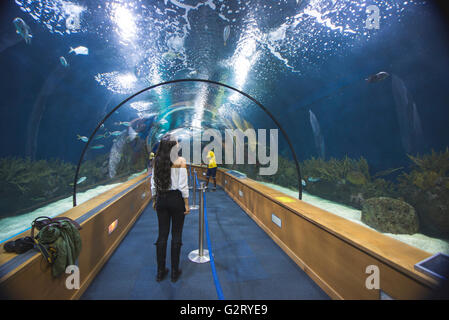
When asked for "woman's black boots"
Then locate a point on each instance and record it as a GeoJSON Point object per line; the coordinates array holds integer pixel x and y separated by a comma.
{"type": "Point", "coordinates": [175, 253]}
{"type": "Point", "coordinates": [162, 271]}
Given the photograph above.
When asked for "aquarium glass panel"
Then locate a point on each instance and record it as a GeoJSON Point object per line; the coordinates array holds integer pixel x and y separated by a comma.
{"type": "Point", "coordinates": [360, 87]}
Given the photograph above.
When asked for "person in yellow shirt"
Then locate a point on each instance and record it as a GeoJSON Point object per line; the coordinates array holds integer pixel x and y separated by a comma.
{"type": "Point", "coordinates": [211, 169]}
{"type": "Point", "coordinates": [150, 162]}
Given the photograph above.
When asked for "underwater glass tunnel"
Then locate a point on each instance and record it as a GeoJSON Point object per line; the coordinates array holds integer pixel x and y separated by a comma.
{"type": "Point", "coordinates": [358, 89]}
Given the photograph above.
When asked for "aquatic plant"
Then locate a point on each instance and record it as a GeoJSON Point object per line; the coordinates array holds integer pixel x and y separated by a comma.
{"type": "Point", "coordinates": [346, 181]}
{"type": "Point", "coordinates": [427, 170]}
{"type": "Point", "coordinates": [336, 170]}
{"type": "Point", "coordinates": [390, 215]}
{"type": "Point", "coordinates": [25, 183]}
{"type": "Point", "coordinates": [435, 161]}
{"type": "Point", "coordinates": [426, 187]}
{"type": "Point", "coordinates": [379, 188]}
{"type": "Point", "coordinates": [356, 178]}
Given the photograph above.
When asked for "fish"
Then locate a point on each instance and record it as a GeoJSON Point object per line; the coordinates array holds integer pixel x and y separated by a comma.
{"type": "Point", "coordinates": [377, 77]}
{"type": "Point", "coordinates": [80, 50]}
{"type": "Point", "coordinates": [125, 123]}
{"type": "Point", "coordinates": [63, 62]}
{"type": "Point", "coordinates": [116, 133]}
{"type": "Point", "coordinates": [192, 73]}
{"type": "Point", "coordinates": [319, 140]}
{"type": "Point", "coordinates": [170, 55]}
{"type": "Point", "coordinates": [23, 29]}
{"type": "Point", "coordinates": [303, 182]}
{"type": "Point", "coordinates": [81, 180]}
{"type": "Point", "coordinates": [83, 138]}
{"type": "Point", "coordinates": [226, 32]}
{"type": "Point", "coordinates": [311, 179]}
{"type": "Point", "coordinates": [99, 146]}
{"type": "Point", "coordinates": [100, 136]}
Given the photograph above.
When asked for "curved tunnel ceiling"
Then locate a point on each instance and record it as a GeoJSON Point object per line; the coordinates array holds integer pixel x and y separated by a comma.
{"type": "Point", "coordinates": [151, 126]}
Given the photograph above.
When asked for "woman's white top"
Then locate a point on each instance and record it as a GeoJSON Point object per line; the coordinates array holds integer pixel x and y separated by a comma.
{"type": "Point", "coordinates": [178, 182]}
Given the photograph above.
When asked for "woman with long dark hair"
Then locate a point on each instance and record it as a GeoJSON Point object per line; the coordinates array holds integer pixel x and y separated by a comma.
{"type": "Point", "coordinates": [170, 192]}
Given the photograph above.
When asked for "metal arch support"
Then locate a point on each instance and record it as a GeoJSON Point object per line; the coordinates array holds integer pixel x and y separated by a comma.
{"type": "Point", "coordinates": [179, 81]}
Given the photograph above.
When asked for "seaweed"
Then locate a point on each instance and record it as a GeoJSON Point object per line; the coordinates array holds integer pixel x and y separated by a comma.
{"type": "Point", "coordinates": [25, 182]}
{"type": "Point", "coordinates": [387, 172]}
{"type": "Point", "coordinates": [336, 170]}
{"type": "Point", "coordinates": [425, 185]}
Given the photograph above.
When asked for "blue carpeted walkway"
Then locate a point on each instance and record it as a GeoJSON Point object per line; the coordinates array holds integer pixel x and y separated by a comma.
{"type": "Point", "coordinates": [249, 264]}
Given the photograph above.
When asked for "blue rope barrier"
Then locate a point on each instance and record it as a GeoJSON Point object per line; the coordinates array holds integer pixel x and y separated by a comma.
{"type": "Point", "coordinates": [196, 178]}
{"type": "Point", "coordinates": [212, 262]}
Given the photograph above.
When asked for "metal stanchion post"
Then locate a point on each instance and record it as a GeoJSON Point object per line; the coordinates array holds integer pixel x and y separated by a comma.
{"type": "Point", "coordinates": [190, 177]}
{"type": "Point", "coordinates": [200, 255]}
{"type": "Point", "coordinates": [194, 206]}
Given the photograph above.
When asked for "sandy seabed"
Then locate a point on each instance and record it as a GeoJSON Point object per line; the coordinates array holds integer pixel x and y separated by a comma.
{"type": "Point", "coordinates": [418, 240]}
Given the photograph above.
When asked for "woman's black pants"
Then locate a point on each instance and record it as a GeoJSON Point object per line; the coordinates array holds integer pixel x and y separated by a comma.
{"type": "Point", "coordinates": [170, 209]}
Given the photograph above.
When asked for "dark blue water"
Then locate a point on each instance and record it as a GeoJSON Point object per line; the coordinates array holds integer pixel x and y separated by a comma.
{"type": "Point", "coordinates": [358, 120]}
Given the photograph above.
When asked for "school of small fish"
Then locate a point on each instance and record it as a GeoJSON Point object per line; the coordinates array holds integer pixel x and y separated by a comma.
{"type": "Point", "coordinates": [132, 134]}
